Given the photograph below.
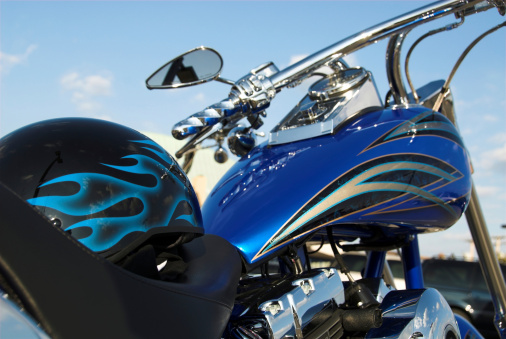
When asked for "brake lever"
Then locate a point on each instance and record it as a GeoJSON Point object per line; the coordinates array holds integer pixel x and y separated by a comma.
{"type": "Point", "coordinates": [198, 138]}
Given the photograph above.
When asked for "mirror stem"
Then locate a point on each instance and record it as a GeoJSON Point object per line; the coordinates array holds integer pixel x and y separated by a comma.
{"type": "Point", "coordinates": [225, 81]}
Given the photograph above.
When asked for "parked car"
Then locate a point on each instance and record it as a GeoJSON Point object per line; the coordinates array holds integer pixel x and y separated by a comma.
{"type": "Point", "coordinates": [463, 286]}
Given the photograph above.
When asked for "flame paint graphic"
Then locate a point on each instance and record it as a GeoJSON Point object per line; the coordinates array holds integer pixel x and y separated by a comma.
{"type": "Point", "coordinates": [107, 231]}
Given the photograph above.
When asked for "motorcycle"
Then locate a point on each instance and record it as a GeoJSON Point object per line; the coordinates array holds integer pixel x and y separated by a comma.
{"type": "Point", "coordinates": [344, 169]}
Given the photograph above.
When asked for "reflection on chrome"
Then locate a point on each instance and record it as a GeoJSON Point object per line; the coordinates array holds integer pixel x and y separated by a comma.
{"type": "Point", "coordinates": [416, 313]}
{"type": "Point", "coordinates": [16, 323]}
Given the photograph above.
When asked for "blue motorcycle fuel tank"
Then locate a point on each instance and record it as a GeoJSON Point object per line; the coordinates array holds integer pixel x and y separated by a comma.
{"type": "Point", "coordinates": [380, 176]}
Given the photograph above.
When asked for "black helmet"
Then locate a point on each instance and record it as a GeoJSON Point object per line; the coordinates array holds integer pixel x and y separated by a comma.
{"type": "Point", "coordinates": [110, 187]}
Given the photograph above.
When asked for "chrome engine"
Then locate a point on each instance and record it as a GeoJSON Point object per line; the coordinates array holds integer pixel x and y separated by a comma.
{"type": "Point", "coordinates": [306, 306]}
{"type": "Point", "coordinates": [317, 304]}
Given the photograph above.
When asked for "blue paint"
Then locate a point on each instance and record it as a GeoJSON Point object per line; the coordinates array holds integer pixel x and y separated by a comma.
{"type": "Point", "coordinates": [374, 264]}
{"type": "Point", "coordinates": [412, 265]}
{"type": "Point", "coordinates": [257, 204]}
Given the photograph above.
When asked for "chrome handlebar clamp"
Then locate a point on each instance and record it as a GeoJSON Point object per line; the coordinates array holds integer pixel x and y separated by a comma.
{"type": "Point", "coordinates": [250, 95]}
{"type": "Point", "coordinates": [255, 91]}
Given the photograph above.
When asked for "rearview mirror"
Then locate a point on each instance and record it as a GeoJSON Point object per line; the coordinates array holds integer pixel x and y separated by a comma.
{"type": "Point", "coordinates": [194, 67]}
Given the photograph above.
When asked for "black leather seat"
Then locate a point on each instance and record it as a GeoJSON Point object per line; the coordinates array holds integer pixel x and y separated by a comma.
{"type": "Point", "coordinates": [75, 293]}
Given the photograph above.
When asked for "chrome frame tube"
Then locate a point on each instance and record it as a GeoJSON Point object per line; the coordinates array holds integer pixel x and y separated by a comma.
{"type": "Point", "coordinates": [369, 36]}
{"type": "Point", "coordinates": [412, 265]}
{"type": "Point", "coordinates": [375, 264]}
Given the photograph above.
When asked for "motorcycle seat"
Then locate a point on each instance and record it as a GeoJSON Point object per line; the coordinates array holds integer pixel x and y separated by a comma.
{"type": "Point", "coordinates": [74, 293]}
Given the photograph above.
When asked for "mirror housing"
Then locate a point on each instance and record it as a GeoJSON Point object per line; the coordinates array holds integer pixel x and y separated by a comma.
{"type": "Point", "coordinates": [199, 65]}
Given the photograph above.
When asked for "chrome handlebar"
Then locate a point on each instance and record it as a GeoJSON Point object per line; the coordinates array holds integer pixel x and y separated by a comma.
{"type": "Point", "coordinates": [389, 28]}
{"type": "Point", "coordinates": [253, 93]}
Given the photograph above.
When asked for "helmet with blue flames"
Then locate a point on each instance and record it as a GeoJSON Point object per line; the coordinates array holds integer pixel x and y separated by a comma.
{"type": "Point", "coordinates": [110, 187]}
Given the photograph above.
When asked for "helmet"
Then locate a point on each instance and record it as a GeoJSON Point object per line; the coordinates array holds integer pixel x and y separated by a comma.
{"type": "Point", "coordinates": [109, 186]}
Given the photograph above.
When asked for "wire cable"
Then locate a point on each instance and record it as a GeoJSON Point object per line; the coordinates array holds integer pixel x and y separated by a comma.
{"type": "Point", "coordinates": [426, 35]}
{"type": "Point", "coordinates": [444, 89]}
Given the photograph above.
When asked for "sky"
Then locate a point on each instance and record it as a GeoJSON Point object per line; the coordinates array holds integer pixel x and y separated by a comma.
{"type": "Point", "coordinates": [91, 58]}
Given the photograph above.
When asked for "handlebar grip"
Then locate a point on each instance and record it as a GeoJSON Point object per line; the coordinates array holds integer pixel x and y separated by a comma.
{"type": "Point", "coordinates": [195, 123]}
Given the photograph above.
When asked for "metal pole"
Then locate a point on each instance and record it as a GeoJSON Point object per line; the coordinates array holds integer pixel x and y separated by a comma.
{"type": "Point", "coordinates": [375, 263]}
{"type": "Point", "coordinates": [393, 66]}
{"type": "Point", "coordinates": [488, 261]}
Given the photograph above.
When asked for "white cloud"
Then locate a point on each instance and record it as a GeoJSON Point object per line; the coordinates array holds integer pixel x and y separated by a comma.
{"type": "Point", "coordinates": [467, 132]}
{"type": "Point", "coordinates": [487, 191]}
{"type": "Point", "coordinates": [494, 159]}
{"type": "Point", "coordinates": [498, 138]}
{"type": "Point", "coordinates": [490, 118]}
{"type": "Point", "coordinates": [86, 89]}
{"type": "Point", "coordinates": [92, 85]}
{"type": "Point", "coordinates": [87, 106]}
{"type": "Point", "coordinates": [200, 97]}
{"type": "Point", "coordinates": [7, 61]}
{"type": "Point", "coordinates": [502, 196]}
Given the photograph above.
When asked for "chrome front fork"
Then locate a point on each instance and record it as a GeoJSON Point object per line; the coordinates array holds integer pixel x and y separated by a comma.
{"type": "Point", "coordinates": [488, 261]}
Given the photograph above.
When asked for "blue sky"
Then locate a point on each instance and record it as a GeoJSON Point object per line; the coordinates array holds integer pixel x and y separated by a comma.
{"type": "Point", "coordinates": [91, 58]}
